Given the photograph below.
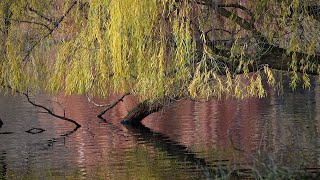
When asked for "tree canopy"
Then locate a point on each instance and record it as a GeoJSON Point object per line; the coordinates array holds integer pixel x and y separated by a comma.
{"type": "Point", "coordinates": [158, 48]}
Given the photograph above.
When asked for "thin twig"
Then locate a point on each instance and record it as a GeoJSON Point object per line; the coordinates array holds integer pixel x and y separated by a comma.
{"type": "Point", "coordinates": [112, 105]}
{"type": "Point", "coordinates": [237, 6]}
{"type": "Point", "coordinates": [218, 29]}
{"type": "Point", "coordinates": [96, 104]}
{"type": "Point", "coordinates": [31, 22]}
{"type": "Point", "coordinates": [40, 15]}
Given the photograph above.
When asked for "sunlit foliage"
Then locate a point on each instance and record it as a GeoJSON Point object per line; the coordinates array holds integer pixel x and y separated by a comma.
{"type": "Point", "coordinates": [154, 48]}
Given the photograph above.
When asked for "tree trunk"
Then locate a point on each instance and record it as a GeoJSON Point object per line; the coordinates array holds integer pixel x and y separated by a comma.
{"type": "Point", "coordinates": [279, 59]}
{"type": "Point", "coordinates": [142, 110]}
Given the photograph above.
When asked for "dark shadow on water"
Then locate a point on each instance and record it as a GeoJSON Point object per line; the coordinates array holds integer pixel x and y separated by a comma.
{"type": "Point", "coordinates": [6, 133]}
{"type": "Point", "coordinates": [178, 151]}
{"type": "Point", "coordinates": [183, 154]}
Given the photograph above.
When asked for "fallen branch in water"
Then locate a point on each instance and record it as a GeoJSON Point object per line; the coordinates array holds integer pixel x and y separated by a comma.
{"type": "Point", "coordinates": [110, 106]}
{"type": "Point", "coordinates": [48, 111]}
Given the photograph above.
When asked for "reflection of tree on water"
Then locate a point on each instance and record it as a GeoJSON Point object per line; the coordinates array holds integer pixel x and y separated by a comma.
{"type": "Point", "coordinates": [1, 124]}
{"type": "Point", "coordinates": [68, 133]}
{"type": "Point", "coordinates": [291, 132]}
{"type": "Point", "coordinates": [52, 113]}
{"type": "Point", "coordinates": [178, 151]}
{"type": "Point", "coordinates": [26, 143]}
{"type": "Point", "coordinates": [3, 165]}
{"type": "Point", "coordinates": [173, 148]}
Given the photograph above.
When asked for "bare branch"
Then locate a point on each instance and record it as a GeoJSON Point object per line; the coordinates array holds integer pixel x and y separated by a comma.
{"type": "Point", "coordinates": [237, 6]}
{"type": "Point", "coordinates": [227, 31]}
{"type": "Point", "coordinates": [40, 14]}
{"type": "Point", "coordinates": [219, 30]}
{"type": "Point", "coordinates": [31, 22]}
{"type": "Point", "coordinates": [112, 105]}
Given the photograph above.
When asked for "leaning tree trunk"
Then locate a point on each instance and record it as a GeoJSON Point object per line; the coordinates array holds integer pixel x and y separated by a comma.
{"type": "Point", "coordinates": [142, 110]}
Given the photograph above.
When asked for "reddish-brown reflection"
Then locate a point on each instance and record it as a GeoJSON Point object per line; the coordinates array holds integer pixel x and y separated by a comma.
{"type": "Point", "coordinates": [211, 124]}
{"type": "Point", "coordinates": [287, 128]}
{"type": "Point", "coordinates": [202, 126]}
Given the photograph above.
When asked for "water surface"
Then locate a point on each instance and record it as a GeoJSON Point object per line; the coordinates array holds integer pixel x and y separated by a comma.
{"type": "Point", "coordinates": [189, 140]}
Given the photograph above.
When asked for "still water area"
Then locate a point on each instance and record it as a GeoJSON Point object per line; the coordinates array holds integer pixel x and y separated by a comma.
{"type": "Point", "coordinates": [188, 140]}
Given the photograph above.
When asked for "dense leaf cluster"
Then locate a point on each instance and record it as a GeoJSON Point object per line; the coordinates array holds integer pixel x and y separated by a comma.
{"type": "Point", "coordinates": [158, 48]}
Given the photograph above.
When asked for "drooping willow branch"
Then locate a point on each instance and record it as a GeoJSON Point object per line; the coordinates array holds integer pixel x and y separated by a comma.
{"type": "Point", "coordinates": [112, 105]}
{"type": "Point", "coordinates": [56, 25]}
{"type": "Point", "coordinates": [273, 52]}
{"type": "Point", "coordinates": [96, 104]}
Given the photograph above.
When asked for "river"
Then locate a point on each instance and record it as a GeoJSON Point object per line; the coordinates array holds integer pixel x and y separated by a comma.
{"type": "Point", "coordinates": [188, 140]}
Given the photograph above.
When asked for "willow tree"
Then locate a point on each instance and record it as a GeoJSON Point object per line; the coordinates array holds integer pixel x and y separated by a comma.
{"type": "Point", "coordinates": [158, 50]}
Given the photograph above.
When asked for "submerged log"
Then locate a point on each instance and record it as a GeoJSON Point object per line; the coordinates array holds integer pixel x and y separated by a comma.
{"type": "Point", "coordinates": [142, 110]}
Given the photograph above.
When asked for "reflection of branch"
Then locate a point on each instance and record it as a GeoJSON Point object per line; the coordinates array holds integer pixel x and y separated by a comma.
{"type": "Point", "coordinates": [233, 145]}
{"type": "Point", "coordinates": [53, 140]}
{"type": "Point", "coordinates": [113, 127]}
{"type": "Point", "coordinates": [175, 149]}
{"type": "Point", "coordinates": [70, 132]}
{"type": "Point", "coordinates": [112, 105]}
